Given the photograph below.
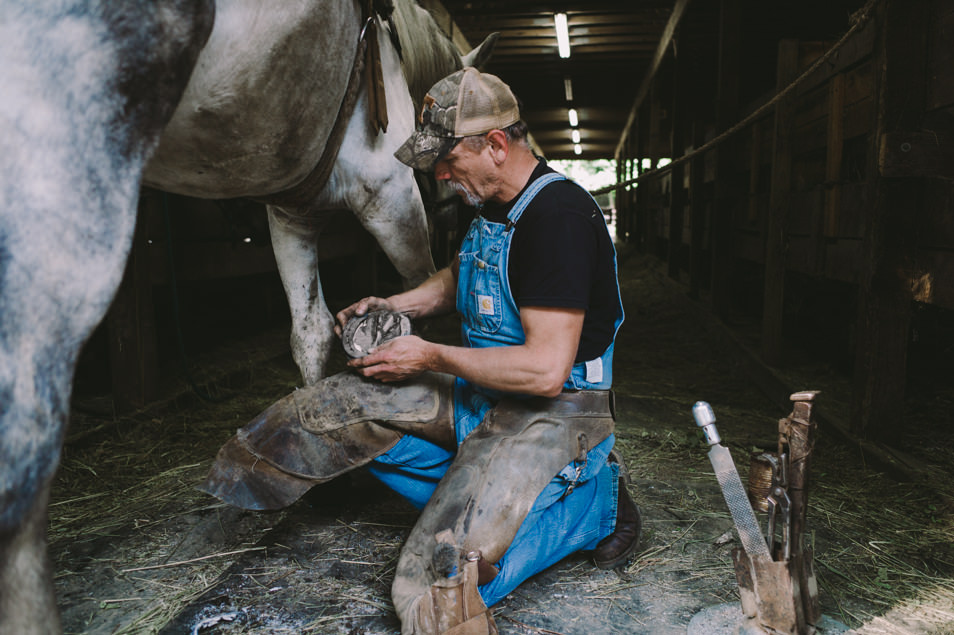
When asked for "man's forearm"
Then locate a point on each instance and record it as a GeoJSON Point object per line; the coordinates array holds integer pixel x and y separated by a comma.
{"type": "Point", "coordinates": [434, 296]}
{"type": "Point", "coordinates": [507, 368]}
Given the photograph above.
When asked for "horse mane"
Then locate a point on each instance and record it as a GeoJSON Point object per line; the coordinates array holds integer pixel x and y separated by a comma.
{"type": "Point", "coordinates": [428, 53]}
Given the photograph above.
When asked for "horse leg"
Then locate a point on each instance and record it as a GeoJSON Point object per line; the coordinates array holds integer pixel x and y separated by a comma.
{"type": "Point", "coordinates": [394, 215]}
{"type": "Point", "coordinates": [59, 273]}
{"type": "Point", "coordinates": [27, 604]}
{"type": "Point", "coordinates": [295, 242]}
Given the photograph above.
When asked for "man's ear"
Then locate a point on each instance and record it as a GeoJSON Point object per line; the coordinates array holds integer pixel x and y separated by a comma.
{"type": "Point", "coordinates": [499, 146]}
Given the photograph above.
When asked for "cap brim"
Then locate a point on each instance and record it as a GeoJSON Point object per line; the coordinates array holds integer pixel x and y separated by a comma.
{"type": "Point", "coordinates": [422, 151]}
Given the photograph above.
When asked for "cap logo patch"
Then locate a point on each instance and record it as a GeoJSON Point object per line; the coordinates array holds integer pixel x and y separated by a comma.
{"type": "Point", "coordinates": [428, 102]}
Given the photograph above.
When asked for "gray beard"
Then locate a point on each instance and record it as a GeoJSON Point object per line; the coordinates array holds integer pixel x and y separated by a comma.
{"type": "Point", "coordinates": [469, 197]}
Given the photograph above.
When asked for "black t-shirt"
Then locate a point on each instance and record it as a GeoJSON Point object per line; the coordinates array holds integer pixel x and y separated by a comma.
{"type": "Point", "coordinates": [562, 256]}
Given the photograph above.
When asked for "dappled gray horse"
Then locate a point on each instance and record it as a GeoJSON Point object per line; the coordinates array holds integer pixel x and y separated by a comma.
{"type": "Point", "coordinates": [268, 93]}
{"type": "Point", "coordinates": [85, 88]}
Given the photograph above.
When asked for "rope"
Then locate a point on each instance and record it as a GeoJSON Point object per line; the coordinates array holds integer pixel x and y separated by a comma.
{"type": "Point", "coordinates": [859, 19]}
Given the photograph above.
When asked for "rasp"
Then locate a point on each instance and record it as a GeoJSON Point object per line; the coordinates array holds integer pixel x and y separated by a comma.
{"type": "Point", "coordinates": [732, 489]}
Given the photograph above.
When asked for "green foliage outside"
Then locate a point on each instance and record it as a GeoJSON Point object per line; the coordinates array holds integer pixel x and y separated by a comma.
{"type": "Point", "coordinates": [592, 175]}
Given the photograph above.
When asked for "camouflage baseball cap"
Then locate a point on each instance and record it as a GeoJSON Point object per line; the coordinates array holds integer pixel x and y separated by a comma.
{"type": "Point", "coordinates": [462, 104]}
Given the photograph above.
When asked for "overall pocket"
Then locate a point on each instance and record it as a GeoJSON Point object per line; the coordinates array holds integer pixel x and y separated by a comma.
{"type": "Point", "coordinates": [482, 306]}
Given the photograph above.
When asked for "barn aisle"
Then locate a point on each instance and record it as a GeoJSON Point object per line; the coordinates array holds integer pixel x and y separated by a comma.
{"type": "Point", "coordinates": [137, 549]}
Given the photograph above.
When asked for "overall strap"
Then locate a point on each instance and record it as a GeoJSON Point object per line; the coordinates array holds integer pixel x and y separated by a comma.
{"type": "Point", "coordinates": [528, 195]}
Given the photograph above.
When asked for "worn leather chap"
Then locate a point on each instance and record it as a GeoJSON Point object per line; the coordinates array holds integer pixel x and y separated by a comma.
{"type": "Point", "coordinates": [322, 431]}
{"type": "Point", "coordinates": [480, 503]}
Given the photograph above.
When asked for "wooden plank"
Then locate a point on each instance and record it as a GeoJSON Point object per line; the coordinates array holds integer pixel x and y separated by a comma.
{"type": "Point", "coordinates": [836, 141]}
{"type": "Point", "coordinates": [446, 21]}
{"type": "Point", "coordinates": [937, 226]}
{"type": "Point", "coordinates": [674, 18]}
{"type": "Point", "coordinates": [855, 51]}
{"type": "Point", "coordinates": [681, 102]}
{"type": "Point", "coordinates": [804, 207]}
{"type": "Point", "coordinates": [941, 56]}
{"type": "Point", "coordinates": [727, 109]}
{"type": "Point", "coordinates": [843, 260]}
{"type": "Point", "coordinates": [854, 206]}
{"type": "Point", "coordinates": [131, 326]}
{"type": "Point", "coordinates": [918, 153]}
{"type": "Point", "coordinates": [884, 298]}
{"type": "Point", "coordinates": [755, 167]}
{"type": "Point", "coordinates": [779, 207]}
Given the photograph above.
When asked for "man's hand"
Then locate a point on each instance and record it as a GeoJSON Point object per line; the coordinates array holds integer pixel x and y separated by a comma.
{"type": "Point", "coordinates": [396, 360]}
{"type": "Point", "coordinates": [359, 308]}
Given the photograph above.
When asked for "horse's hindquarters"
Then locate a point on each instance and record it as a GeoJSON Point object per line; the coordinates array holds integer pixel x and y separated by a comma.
{"type": "Point", "coordinates": [261, 103]}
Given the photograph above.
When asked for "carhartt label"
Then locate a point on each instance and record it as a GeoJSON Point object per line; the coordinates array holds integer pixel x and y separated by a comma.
{"type": "Point", "coordinates": [594, 370]}
{"type": "Point", "coordinates": [485, 304]}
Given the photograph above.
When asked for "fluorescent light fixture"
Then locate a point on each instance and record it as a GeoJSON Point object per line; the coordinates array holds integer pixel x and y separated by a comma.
{"type": "Point", "coordinates": [577, 149]}
{"type": "Point", "coordinates": [563, 34]}
{"type": "Point", "coordinates": [568, 88]}
{"type": "Point", "coordinates": [576, 136]}
{"type": "Point", "coordinates": [574, 120]}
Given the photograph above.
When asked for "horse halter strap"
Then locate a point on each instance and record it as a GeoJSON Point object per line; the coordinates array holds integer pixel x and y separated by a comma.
{"type": "Point", "coordinates": [367, 63]}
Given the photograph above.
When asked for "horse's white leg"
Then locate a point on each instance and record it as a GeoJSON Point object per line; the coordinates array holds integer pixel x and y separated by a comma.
{"type": "Point", "coordinates": [295, 242]}
{"type": "Point", "coordinates": [61, 266]}
{"type": "Point", "coordinates": [24, 571]}
{"type": "Point", "coordinates": [394, 215]}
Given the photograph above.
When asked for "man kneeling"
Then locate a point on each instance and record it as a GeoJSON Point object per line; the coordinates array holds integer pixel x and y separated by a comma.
{"type": "Point", "coordinates": [504, 442]}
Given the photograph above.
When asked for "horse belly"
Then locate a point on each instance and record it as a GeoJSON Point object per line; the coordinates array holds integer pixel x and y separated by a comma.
{"type": "Point", "coordinates": [261, 102]}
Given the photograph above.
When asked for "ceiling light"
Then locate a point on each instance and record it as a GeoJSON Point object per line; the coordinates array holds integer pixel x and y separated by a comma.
{"type": "Point", "coordinates": [563, 34]}
{"type": "Point", "coordinates": [576, 136]}
{"type": "Point", "coordinates": [574, 120]}
{"type": "Point", "coordinates": [577, 149]}
{"type": "Point", "coordinates": [568, 88]}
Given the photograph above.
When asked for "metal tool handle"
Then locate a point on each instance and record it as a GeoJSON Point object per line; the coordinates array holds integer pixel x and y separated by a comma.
{"type": "Point", "coordinates": [705, 419]}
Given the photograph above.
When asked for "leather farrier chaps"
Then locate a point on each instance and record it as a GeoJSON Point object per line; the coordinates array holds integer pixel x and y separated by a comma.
{"type": "Point", "coordinates": [500, 470]}
{"type": "Point", "coordinates": [322, 431]}
{"type": "Point", "coordinates": [345, 421]}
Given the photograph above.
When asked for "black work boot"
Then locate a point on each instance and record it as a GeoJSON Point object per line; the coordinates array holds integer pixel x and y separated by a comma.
{"type": "Point", "coordinates": [614, 550]}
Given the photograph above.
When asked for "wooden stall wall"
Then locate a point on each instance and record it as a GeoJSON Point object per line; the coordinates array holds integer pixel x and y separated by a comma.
{"type": "Point", "coordinates": [828, 214]}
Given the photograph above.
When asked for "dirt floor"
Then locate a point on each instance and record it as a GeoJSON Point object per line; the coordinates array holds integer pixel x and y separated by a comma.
{"type": "Point", "coordinates": [137, 549]}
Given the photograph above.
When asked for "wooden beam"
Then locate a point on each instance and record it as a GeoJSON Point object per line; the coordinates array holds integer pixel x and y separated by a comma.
{"type": "Point", "coordinates": [727, 110]}
{"type": "Point", "coordinates": [446, 21]}
{"type": "Point", "coordinates": [917, 154]}
{"type": "Point", "coordinates": [835, 152]}
{"type": "Point", "coordinates": [674, 18]}
{"type": "Point", "coordinates": [885, 296]}
{"type": "Point", "coordinates": [776, 234]}
{"type": "Point", "coordinates": [131, 325]}
{"type": "Point", "coordinates": [681, 102]}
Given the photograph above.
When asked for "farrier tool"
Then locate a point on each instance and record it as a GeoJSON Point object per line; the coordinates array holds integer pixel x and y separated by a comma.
{"type": "Point", "coordinates": [732, 488]}
{"type": "Point", "coordinates": [776, 579]}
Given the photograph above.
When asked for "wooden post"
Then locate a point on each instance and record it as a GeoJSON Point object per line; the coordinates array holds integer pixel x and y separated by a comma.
{"type": "Point", "coordinates": [726, 111]}
{"type": "Point", "coordinates": [885, 294]}
{"type": "Point", "coordinates": [677, 193]}
{"type": "Point", "coordinates": [131, 324]}
{"type": "Point", "coordinates": [779, 201]}
{"type": "Point", "coordinates": [639, 208]}
{"type": "Point", "coordinates": [697, 209]}
{"type": "Point", "coordinates": [836, 145]}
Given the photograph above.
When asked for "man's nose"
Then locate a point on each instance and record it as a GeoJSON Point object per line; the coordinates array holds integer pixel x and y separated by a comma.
{"type": "Point", "coordinates": [441, 173]}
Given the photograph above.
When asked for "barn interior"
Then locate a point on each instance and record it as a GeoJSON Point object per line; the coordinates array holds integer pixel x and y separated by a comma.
{"type": "Point", "coordinates": [784, 216]}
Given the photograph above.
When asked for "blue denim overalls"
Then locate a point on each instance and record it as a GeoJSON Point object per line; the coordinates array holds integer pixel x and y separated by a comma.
{"type": "Point", "coordinates": [557, 525]}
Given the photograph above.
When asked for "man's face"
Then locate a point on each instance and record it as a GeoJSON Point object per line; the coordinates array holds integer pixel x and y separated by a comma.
{"type": "Point", "coordinates": [469, 172]}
